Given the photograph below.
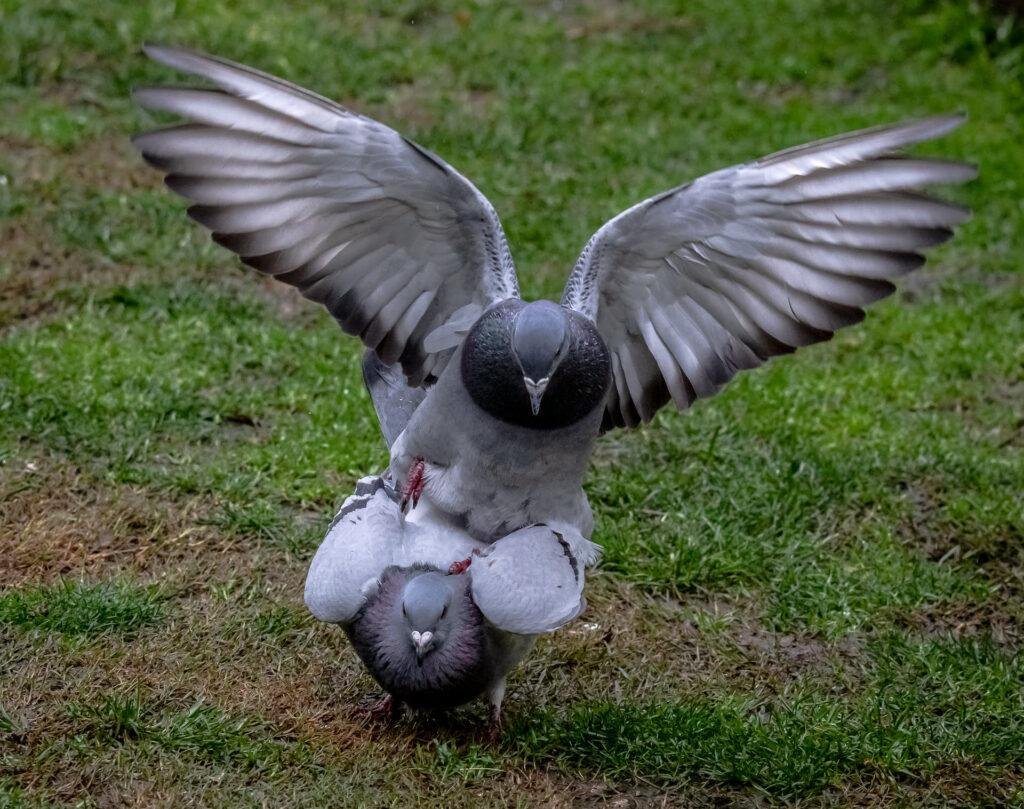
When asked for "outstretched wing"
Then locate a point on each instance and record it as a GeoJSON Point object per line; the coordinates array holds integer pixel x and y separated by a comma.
{"type": "Point", "coordinates": [531, 581]}
{"type": "Point", "coordinates": [689, 287]}
{"type": "Point", "coordinates": [386, 235]}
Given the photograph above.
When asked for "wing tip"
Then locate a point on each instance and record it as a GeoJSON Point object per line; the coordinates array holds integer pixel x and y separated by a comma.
{"type": "Point", "coordinates": [142, 143]}
{"type": "Point", "coordinates": [970, 172]}
{"type": "Point", "coordinates": [163, 54]}
{"type": "Point", "coordinates": [917, 130]}
{"type": "Point", "coordinates": [196, 62]}
{"type": "Point", "coordinates": [939, 124]}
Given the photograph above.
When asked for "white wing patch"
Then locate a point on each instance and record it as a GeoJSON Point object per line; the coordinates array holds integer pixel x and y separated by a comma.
{"type": "Point", "coordinates": [359, 545]}
{"type": "Point", "coordinates": [368, 535]}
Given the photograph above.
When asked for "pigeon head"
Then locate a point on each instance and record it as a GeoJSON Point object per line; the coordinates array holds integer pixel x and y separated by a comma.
{"type": "Point", "coordinates": [540, 340]}
{"type": "Point", "coordinates": [423, 639]}
{"type": "Point", "coordinates": [426, 611]}
{"type": "Point", "coordinates": [536, 365]}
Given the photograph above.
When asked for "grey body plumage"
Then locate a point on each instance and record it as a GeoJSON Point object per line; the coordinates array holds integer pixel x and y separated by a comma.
{"type": "Point", "coordinates": [433, 638]}
{"type": "Point", "coordinates": [668, 301]}
{"type": "Point", "coordinates": [416, 627]}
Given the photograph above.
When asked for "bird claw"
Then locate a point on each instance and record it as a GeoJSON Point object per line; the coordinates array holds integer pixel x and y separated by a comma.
{"type": "Point", "coordinates": [462, 566]}
{"type": "Point", "coordinates": [459, 567]}
{"type": "Point", "coordinates": [414, 483]}
{"type": "Point", "coordinates": [386, 710]}
{"type": "Point", "coordinates": [492, 732]}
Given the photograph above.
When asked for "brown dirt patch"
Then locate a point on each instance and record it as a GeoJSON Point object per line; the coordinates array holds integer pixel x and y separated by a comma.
{"type": "Point", "coordinates": [967, 621]}
{"type": "Point", "coordinates": [996, 550]}
{"type": "Point", "coordinates": [954, 784]}
{"type": "Point", "coordinates": [56, 521]}
{"type": "Point", "coordinates": [635, 647]}
{"type": "Point", "coordinates": [43, 270]}
{"type": "Point", "coordinates": [620, 21]}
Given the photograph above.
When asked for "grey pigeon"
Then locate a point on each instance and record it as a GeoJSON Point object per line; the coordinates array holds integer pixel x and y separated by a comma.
{"type": "Point", "coordinates": [668, 301]}
{"type": "Point", "coordinates": [438, 617]}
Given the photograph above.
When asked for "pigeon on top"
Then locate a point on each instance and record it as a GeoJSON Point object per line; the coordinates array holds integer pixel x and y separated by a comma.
{"type": "Point", "coordinates": [437, 617]}
{"type": "Point", "coordinates": [667, 302]}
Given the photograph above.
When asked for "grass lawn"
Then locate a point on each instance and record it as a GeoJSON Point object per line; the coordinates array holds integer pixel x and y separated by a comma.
{"type": "Point", "coordinates": [813, 586]}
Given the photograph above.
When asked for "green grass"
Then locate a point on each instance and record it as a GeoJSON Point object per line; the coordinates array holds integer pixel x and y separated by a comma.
{"type": "Point", "coordinates": [924, 706]}
{"type": "Point", "coordinates": [147, 228]}
{"type": "Point", "coordinates": [811, 588]}
{"type": "Point", "coordinates": [201, 732]}
{"type": "Point", "coordinates": [78, 610]}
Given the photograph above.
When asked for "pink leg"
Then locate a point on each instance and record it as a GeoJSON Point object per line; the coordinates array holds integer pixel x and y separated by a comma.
{"type": "Point", "coordinates": [386, 710]}
{"type": "Point", "coordinates": [414, 483]}
{"type": "Point", "coordinates": [492, 734]}
{"type": "Point", "coordinates": [461, 567]}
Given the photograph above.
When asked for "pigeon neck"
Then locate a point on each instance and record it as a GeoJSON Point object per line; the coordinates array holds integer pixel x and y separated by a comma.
{"type": "Point", "coordinates": [494, 380]}
{"type": "Point", "coordinates": [454, 673]}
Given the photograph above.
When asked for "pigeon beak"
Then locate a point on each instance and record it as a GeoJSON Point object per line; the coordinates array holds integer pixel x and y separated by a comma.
{"type": "Point", "coordinates": [536, 391]}
{"type": "Point", "coordinates": [422, 642]}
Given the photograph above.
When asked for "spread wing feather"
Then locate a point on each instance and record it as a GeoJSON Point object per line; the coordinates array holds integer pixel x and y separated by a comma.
{"type": "Point", "coordinates": [691, 286]}
{"type": "Point", "coordinates": [389, 237]}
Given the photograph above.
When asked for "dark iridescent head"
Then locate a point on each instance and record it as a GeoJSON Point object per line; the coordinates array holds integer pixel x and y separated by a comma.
{"type": "Point", "coordinates": [536, 365]}
{"type": "Point", "coordinates": [423, 639]}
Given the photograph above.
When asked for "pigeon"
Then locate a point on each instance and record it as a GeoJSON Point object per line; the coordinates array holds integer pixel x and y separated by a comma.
{"type": "Point", "coordinates": [437, 617]}
{"type": "Point", "coordinates": [667, 302]}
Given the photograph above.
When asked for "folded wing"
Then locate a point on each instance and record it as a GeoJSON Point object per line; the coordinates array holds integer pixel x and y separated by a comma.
{"type": "Point", "coordinates": [361, 542]}
{"type": "Point", "coordinates": [531, 581]}
{"type": "Point", "coordinates": [368, 535]}
{"type": "Point", "coordinates": [386, 235]}
{"type": "Point", "coordinates": [689, 287]}
{"type": "Point", "coordinates": [393, 398]}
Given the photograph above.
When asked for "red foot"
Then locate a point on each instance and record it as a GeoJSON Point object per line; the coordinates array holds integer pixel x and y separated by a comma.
{"type": "Point", "coordinates": [414, 483]}
{"type": "Point", "coordinates": [461, 567]}
{"type": "Point", "coordinates": [492, 733]}
{"type": "Point", "coordinates": [385, 710]}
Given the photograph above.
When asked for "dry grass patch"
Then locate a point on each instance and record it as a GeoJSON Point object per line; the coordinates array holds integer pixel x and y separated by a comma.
{"type": "Point", "coordinates": [40, 271]}
{"type": "Point", "coordinates": [56, 521]}
{"type": "Point", "coordinates": [109, 162]}
{"type": "Point", "coordinates": [632, 646]}
{"type": "Point", "coordinates": [991, 620]}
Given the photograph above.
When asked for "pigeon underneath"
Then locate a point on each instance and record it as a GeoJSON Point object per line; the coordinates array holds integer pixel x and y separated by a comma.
{"type": "Point", "coordinates": [668, 301]}
{"type": "Point", "coordinates": [438, 618]}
